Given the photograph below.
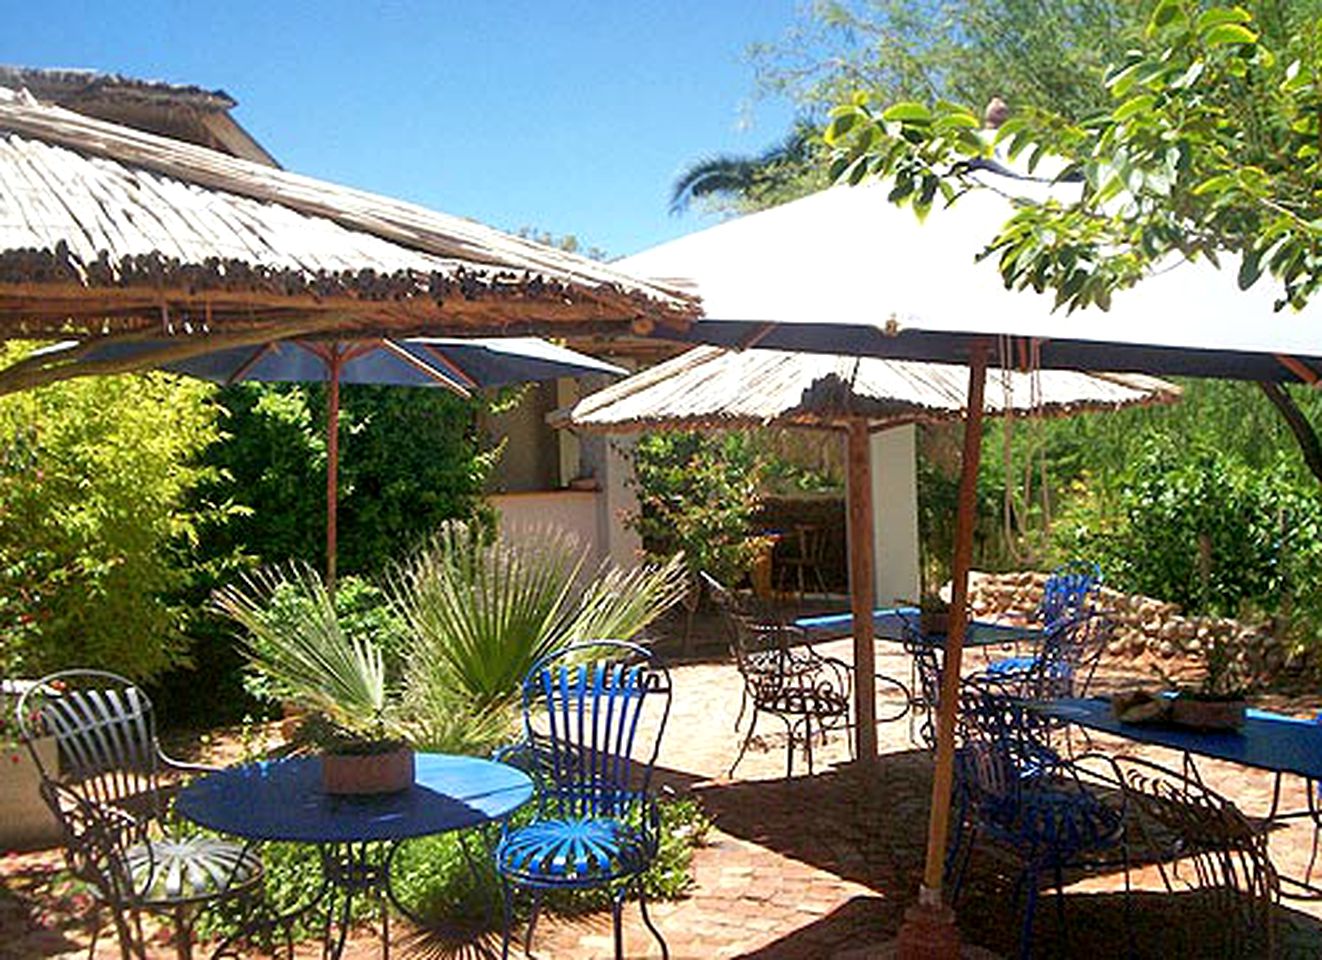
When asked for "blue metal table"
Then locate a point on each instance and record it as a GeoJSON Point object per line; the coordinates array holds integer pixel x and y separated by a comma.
{"type": "Point", "coordinates": [899, 624]}
{"type": "Point", "coordinates": [357, 837]}
{"type": "Point", "coordinates": [1267, 741]}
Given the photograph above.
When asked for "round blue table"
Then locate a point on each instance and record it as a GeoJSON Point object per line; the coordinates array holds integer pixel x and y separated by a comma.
{"type": "Point", "coordinates": [283, 800]}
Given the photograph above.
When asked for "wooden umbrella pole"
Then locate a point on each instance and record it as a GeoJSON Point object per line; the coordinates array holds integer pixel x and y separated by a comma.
{"type": "Point", "coordinates": [861, 576]}
{"type": "Point", "coordinates": [929, 931]}
{"type": "Point", "coordinates": [332, 462]}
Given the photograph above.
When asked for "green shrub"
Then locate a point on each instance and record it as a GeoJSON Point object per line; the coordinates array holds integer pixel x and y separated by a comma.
{"type": "Point", "coordinates": [1199, 527]}
{"type": "Point", "coordinates": [98, 521]}
{"type": "Point", "coordinates": [698, 495]}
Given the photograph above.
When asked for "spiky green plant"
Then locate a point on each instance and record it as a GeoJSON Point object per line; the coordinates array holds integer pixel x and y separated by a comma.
{"type": "Point", "coordinates": [293, 636]}
{"type": "Point", "coordinates": [482, 613]}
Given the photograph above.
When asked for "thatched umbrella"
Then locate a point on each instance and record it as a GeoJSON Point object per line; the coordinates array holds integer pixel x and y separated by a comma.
{"type": "Point", "coordinates": [108, 231]}
{"type": "Point", "coordinates": [712, 388]}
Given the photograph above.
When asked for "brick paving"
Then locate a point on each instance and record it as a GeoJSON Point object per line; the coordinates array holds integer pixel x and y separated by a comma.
{"type": "Point", "coordinates": [819, 867]}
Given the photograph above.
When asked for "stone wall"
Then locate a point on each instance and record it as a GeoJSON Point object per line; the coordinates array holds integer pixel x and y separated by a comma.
{"type": "Point", "coordinates": [1150, 635]}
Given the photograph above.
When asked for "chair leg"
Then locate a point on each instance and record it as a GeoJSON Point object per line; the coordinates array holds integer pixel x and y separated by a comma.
{"type": "Point", "coordinates": [617, 920]}
{"type": "Point", "coordinates": [532, 922]}
{"type": "Point", "coordinates": [1063, 936]}
{"type": "Point", "coordinates": [743, 748]}
{"type": "Point", "coordinates": [1028, 877]}
{"type": "Point", "coordinates": [647, 920]}
{"type": "Point", "coordinates": [183, 934]}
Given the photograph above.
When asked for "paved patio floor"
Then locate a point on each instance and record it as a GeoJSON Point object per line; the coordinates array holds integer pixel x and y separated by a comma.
{"type": "Point", "coordinates": [816, 867]}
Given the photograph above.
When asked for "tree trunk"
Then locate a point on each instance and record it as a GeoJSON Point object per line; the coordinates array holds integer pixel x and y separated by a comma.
{"type": "Point", "coordinates": [1303, 431]}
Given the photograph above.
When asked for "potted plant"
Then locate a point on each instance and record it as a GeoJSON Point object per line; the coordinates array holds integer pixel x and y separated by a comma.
{"type": "Point", "coordinates": [933, 614]}
{"type": "Point", "coordinates": [294, 638]}
{"type": "Point", "coordinates": [26, 822]}
{"type": "Point", "coordinates": [1218, 703]}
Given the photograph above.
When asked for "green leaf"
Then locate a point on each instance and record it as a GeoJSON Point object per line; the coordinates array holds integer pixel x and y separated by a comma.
{"type": "Point", "coordinates": [840, 125]}
{"type": "Point", "coordinates": [907, 111]}
{"type": "Point", "coordinates": [1220, 15]}
{"type": "Point", "coordinates": [1133, 106]}
{"type": "Point", "coordinates": [1216, 184]}
{"type": "Point", "coordinates": [1167, 13]}
{"type": "Point", "coordinates": [1229, 33]}
{"type": "Point", "coordinates": [1250, 269]}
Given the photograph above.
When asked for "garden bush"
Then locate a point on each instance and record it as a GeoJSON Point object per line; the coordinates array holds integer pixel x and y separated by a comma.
{"type": "Point", "coordinates": [99, 521]}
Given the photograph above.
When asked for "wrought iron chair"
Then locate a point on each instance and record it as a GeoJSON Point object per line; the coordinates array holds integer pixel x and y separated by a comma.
{"type": "Point", "coordinates": [594, 715]}
{"type": "Point", "coordinates": [783, 676]}
{"type": "Point", "coordinates": [804, 561]}
{"type": "Point", "coordinates": [1049, 812]}
{"type": "Point", "coordinates": [111, 796]}
{"type": "Point", "coordinates": [1204, 845]}
{"type": "Point", "coordinates": [1071, 591]}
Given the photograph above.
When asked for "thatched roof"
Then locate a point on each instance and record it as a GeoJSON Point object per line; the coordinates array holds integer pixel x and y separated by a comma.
{"type": "Point", "coordinates": [104, 228]}
{"type": "Point", "coordinates": [712, 388]}
{"type": "Point", "coordinates": [178, 111]}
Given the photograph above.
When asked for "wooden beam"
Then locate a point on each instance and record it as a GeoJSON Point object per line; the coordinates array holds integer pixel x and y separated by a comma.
{"type": "Point", "coordinates": [862, 563]}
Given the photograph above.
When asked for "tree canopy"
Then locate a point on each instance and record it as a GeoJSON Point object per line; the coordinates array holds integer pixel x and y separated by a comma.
{"type": "Point", "coordinates": [1208, 146]}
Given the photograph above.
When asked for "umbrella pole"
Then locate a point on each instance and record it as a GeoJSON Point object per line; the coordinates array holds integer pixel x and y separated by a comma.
{"type": "Point", "coordinates": [861, 580]}
{"type": "Point", "coordinates": [928, 931]}
{"type": "Point", "coordinates": [332, 462]}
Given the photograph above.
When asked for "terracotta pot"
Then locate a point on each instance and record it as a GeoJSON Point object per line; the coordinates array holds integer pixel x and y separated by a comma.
{"type": "Point", "coordinates": [367, 773]}
{"type": "Point", "coordinates": [1208, 714]}
{"type": "Point", "coordinates": [26, 823]}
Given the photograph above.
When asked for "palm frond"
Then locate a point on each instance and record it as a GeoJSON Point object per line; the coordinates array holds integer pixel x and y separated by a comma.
{"type": "Point", "coordinates": [293, 636]}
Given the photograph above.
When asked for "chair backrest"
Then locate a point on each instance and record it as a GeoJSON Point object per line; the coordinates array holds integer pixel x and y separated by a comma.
{"type": "Point", "coordinates": [1002, 745]}
{"type": "Point", "coordinates": [596, 712]}
{"type": "Point", "coordinates": [105, 728]}
{"type": "Point", "coordinates": [1067, 658]}
{"type": "Point", "coordinates": [748, 631]}
{"type": "Point", "coordinates": [1071, 591]}
{"type": "Point", "coordinates": [1203, 845]}
{"type": "Point", "coordinates": [106, 790]}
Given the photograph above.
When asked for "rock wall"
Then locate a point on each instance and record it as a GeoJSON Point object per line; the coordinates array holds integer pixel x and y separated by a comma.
{"type": "Point", "coordinates": [1150, 635]}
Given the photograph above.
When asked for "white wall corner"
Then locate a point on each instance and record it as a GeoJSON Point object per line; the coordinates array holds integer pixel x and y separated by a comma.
{"type": "Point", "coordinates": [895, 511]}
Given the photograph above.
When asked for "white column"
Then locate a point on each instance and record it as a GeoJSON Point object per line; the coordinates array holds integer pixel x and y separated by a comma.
{"type": "Point", "coordinates": [895, 507]}
{"type": "Point", "coordinates": [566, 394]}
{"type": "Point", "coordinates": [618, 501]}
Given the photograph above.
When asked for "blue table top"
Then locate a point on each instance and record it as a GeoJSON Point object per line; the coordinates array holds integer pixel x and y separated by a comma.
{"type": "Point", "coordinates": [891, 623]}
{"type": "Point", "coordinates": [1267, 741]}
{"type": "Point", "coordinates": [283, 800]}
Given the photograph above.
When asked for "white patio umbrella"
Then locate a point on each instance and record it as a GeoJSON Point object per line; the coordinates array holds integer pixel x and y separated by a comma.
{"type": "Point", "coordinates": [845, 271]}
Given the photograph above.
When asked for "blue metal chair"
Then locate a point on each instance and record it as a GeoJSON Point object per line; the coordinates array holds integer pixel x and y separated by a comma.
{"type": "Point", "coordinates": [593, 715]}
{"type": "Point", "coordinates": [1049, 812]}
{"type": "Point", "coordinates": [111, 797]}
{"type": "Point", "coordinates": [1070, 593]}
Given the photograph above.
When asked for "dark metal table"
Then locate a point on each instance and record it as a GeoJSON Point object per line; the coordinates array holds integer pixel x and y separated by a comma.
{"type": "Point", "coordinates": [357, 837]}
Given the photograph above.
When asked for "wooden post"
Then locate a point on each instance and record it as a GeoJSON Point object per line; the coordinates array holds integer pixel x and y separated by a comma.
{"type": "Point", "coordinates": [332, 460]}
{"type": "Point", "coordinates": [928, 931]}
{"type": "Point", "coordinates": [861, 579]}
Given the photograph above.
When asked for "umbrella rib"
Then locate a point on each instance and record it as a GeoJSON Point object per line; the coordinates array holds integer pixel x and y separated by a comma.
{"type": "Point", "coordinates": [463, 386]}
{"type": "Point", "coordinates": [449, 364]}
{"type": "Point", "coordinates": [248, 364]}
{"type": "Point", "coordinates": [1300, 369]}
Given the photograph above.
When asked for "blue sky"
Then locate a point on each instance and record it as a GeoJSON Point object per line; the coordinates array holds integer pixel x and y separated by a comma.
{"type": "Point", "coordinates": [565, 115]}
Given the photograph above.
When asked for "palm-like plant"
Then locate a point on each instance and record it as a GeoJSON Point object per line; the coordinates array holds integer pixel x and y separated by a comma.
{"type": "Point", "coordinates": [294, 638]}
{"type": "Point", "coordinates": [481, 613]}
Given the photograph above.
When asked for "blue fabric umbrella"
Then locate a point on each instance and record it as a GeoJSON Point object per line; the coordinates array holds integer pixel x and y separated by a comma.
{"type": "Point", "coordinates": [451, 363]}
